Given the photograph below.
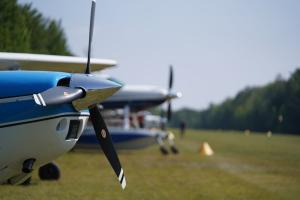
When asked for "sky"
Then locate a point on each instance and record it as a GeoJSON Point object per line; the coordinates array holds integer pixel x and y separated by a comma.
{"type": "Point", "coordinates": [217, 47]}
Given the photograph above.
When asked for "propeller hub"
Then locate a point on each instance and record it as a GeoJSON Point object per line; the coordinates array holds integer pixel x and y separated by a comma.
{"type": "Point", "coordinates": [173, 95]}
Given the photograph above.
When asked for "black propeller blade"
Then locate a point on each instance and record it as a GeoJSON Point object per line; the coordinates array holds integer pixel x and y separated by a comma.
{"type": "Point", "coordinates": [98, 122]}
{"type": "Point", "coordinates": [169, 111]}
{"type": "Point", "coordinates": [171, 78]}
{"type": "Point", "coordinates": [106, 143]}
{"type": "Point", "coordinates": [88, 70]}
{"type": "Point", "coordinates": [58, 95]}
{"type": "Point", "coordinates": [61, 95]}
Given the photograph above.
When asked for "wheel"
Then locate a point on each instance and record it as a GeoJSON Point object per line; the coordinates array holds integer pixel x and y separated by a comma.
{"type": "Point", "coordinates": [164, 151]}
{"type": "Point", "coordinates": [49, 171]}
{"type": "Point", "coordinates": [27, 182]}
{"type": "Point", "coordinates": [174, 150]}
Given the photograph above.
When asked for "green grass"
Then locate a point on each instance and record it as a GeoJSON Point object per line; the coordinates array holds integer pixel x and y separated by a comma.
{"type": "Point", "coordinates": [243, 167]}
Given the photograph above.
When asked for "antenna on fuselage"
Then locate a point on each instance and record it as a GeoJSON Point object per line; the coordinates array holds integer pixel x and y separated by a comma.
{"type": "Point", "coordinates": [88, 68]}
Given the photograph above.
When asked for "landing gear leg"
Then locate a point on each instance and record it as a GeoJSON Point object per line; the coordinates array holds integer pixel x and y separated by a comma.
{"type": "Point", "coordinates": [49, 171]}
{"type": "Point", "coordinates": [162, 147]}
{"type": "Point", "coordinates": [27, 182]}
{"type": "Point", "coordinates": [171, 141]}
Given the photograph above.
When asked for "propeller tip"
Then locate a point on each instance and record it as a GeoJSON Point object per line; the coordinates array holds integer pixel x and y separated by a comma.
{"type": "Point", "coordinates": [123, 184]}
{"type": "Point", "coordinates": [122, 179]}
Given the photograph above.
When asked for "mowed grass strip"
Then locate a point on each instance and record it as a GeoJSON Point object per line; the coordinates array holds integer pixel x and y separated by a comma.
{"type": "Point", "coordinates": [243, 167]}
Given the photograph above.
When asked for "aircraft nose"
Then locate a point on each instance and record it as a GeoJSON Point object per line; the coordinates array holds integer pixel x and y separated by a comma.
{"type": "Point", "coordinates": [96, 89]}
{"type": "Point", "coordinates": [92, 82]}
{"type": "Point", "coordinates": [174, 95]}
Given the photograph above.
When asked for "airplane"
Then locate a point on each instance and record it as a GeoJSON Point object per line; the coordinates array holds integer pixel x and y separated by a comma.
{"type": "Point", "coordinates": [133, 99]}
{"type": "Point", "coordinates": [134, 137]}
{"type": "Point", "coordinates": [43, 113]}
{"type": "Point", "coordinates": [141, 97]}
{"type": "Point", "coordinates": [130, 139]}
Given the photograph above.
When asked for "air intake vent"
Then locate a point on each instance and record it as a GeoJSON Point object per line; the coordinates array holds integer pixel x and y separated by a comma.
{"type": "Point", "coordinates": [73, 129]}
{"type": "Point", "coordinates": [64, 82]}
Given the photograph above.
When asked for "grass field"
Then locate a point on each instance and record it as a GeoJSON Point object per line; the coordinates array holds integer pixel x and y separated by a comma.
{"type": "Point", "coordinates": [243, 167]}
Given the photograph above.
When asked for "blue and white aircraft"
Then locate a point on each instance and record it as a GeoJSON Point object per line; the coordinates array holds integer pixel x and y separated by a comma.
{"type": "Point", "coordinates": [43, 113]}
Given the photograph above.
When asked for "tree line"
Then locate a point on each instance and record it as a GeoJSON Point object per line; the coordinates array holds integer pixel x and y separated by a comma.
{"type": "Point", "coordinates": [25, 29]}
{"type": "Point", "coordinates": [274, 107]}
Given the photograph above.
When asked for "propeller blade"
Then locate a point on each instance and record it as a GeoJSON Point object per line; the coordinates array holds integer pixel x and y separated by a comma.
{"type": "Point", "coordinates": [88, 69]}
{"type": "Point", "coordinates": [58, 95]}
{"type": "Point", "coordinates": [169, 114]}
{"type": "Point", "coordinates": [171, 78]}
{"type": "Point", "coordinates": [105, 141]}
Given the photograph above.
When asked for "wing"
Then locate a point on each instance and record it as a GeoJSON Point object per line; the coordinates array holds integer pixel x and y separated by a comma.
{"type": "Point", "coordinates": [40, 62]}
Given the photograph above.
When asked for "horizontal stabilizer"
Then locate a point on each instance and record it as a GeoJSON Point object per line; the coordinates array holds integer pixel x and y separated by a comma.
{"type": "Point", "coordinates": [40, 62]}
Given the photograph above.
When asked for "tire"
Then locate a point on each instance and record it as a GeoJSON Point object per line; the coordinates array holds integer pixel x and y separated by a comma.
{"type": "Point", "coordinates": [174, 150]}
{"type": "Point", "coordinates": [49, 171]}
{"type": "Point", "coordinates": [164, 151]}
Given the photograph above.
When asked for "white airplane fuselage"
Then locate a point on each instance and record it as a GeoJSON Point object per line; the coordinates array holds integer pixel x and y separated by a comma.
{"type": "Point", "coordinates": [32, 135]}
{"type": "Point", "coordinates": [43, 139]}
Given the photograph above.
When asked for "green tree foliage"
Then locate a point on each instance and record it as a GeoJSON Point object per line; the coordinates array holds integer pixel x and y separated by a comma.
{"type": "Point", "coordinates": [274, 107]}
{"type": "Point", "coordinates": [24, 29]}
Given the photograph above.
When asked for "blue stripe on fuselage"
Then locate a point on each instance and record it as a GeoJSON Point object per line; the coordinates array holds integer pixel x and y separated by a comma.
{"type": "Point", "coordinates": [20, 83]}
